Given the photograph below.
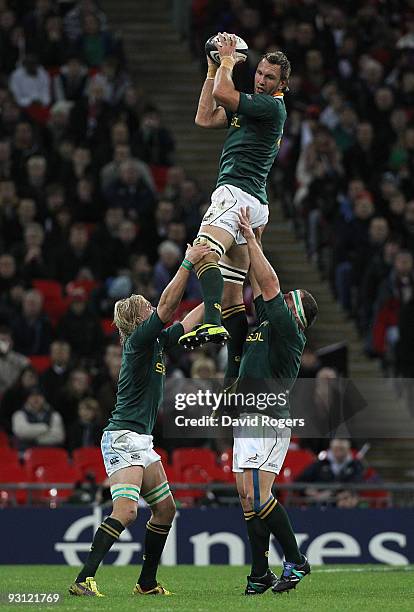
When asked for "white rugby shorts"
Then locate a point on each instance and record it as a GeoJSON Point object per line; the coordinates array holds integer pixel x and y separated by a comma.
{"type": "Point", "coordinates": [265, 452]}
{"type": "Point", "coordinates": [226, 202]}
{"type": "Point", "coordinates": [125, 448]}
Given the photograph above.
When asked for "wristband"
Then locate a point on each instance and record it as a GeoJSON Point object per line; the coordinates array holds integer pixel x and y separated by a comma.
{"type": "Point", "coordinates": [187, 265]}
{"type": "Point", "coordinates": [228, 62]}
{"type": "Point", "coordinates": [211, 71]}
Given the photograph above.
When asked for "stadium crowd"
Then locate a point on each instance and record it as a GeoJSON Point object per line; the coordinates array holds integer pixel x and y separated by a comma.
{"type": "Point", "coordinates": [93, 208]}
{"type": "Point", "coordinates": [345, 169]}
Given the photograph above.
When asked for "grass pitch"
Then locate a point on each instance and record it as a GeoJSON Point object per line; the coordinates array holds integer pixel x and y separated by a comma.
{"type": "Point", "coordinates": [362, 588]}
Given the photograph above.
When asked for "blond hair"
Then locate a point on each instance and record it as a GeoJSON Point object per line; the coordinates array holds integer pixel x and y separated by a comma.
{"type": "Point", "coordinates": [128, 314]}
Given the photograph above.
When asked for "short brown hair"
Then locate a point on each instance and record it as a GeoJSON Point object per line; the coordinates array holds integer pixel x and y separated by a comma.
{"type": "Point", "coordinates": [278, 58]}
{"type": "Point", "coordinates": [310, 307]}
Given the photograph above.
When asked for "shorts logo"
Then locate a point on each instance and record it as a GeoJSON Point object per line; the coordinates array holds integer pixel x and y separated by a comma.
{"type": "Point", "coordinates": [273, 465]}
{"type": "Point", "coordinates": [114, 460]}
{"type": "Point", "coordinates": [253, 459]}
{"type": "Point", "coordinates": [209, 215]}
{"type": "Point", "coordinates": [135, 456]}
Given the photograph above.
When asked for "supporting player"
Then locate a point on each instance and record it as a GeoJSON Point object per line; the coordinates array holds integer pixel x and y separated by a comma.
{"type": "Point", "coordinates": [255, 123]}
{"type": "Point", "coordinates": [131, 463]}
{"type": "Point", "coordinates": [272, 351]}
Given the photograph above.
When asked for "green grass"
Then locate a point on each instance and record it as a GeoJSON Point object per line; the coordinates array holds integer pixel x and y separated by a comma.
{"type": "Point", "coordinates": [218, 588]}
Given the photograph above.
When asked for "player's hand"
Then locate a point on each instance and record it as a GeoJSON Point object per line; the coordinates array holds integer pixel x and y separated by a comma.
{"type": "Point", "coordinates": [245, 225]}
{"type": "Point", "coordinates": [226, 46]}
{"type": "Point", "coordinates": [197, 252]}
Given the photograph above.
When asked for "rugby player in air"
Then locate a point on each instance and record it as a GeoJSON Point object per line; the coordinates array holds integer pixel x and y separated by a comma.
{"type": "Point", "coordinates": [255, 126]}
{"type": "Point", "coordinates": [132, 465]}
{"type": "Point", "coordinates": [272, 352]}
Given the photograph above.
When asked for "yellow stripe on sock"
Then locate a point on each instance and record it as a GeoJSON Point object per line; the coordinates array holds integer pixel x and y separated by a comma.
{"type": "Point", "coordinates": [156, 529]}
{"type": "Point", "coordinates": [226, 314]}
{"type": "Point", "coordinates": [206, 267]}
{"type": "Point", "coordinates": [263, 514]}
{"type": "Point", "coordinates": [109, 530]}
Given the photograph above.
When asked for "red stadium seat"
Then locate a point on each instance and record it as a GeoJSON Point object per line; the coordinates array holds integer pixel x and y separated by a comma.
{"type": "Point", "coordinates": [159, 174]}
{"type": "Point", "coordinates": [296, 461]}
{"type": "Point", "coordinates": [89, 460]}
{"type": "Point", "coordinates": [108, 327]}
{"type": "Point", "coordinates": [225, 466]}
{"type": "Point", "coordinates": [53, 474]}
{"type": "Point", "coordinates": [192, 474]}
{"type": "Point", "coordinates": [55, 305]}
{"type": "Point", "coordinates": [4, 439]}
{"type": "Point", "coordinates": [9, 456]}
{"type": "Point", "coordinates": [87, 285]}
{"type": "Point", "coordinates": [163, 454]}
{"type": "Point", "coordinates": [201, 458]}
{"type": "Point", "coordinates": [40, 362]}
{"type": "Point", "coordinates": [10, 473]}
{"type": "Point", "coordinates": [45, 457]}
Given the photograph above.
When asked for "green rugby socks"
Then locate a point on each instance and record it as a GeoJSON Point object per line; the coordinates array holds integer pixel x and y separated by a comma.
{"type": "Point", "coordinates": [212, 285]}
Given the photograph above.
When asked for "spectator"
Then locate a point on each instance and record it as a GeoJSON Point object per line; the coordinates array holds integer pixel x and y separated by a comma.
{"type": "Point", "coordinates": [37, 423]}
{"type": "Point", "coordinates": [6, 167]}
{"type": "Point", "coordinates": [78, 258]}
{"type": "Point", "coordinates": [32, 331]}
{"type": "Point", "coordinates": [12, 363]}
{"type": "Point", "coordinates": [53, 44]}
{"type": "Point", "coordinates": [337, 466]}
{"type": "Point", "coordinates": [31, 256]}
{"type": "Point", "coordinates": [113, 353]}
{"type": "Point", "coordinates": [110, 172]}
{"type": "Point", "coordinates": [130, 192]}
{"type": "Point", "coordinates": [15, 396]}
{"type": "Point", "coordinates": [169, 258]}
{"type": "Point", "coordinates": [70, 82]}
{"type": "Point", "coordinates": [30, 83]}
{"type": "Point", "coordinates": [106, 394]}
{"type": "Point", "coordinates": [87, 206]}
{"type": "Point", "coordinates": [87, 429]}
{"type": "Point", "coordinates": [93, 44]}
{"type": "Point", "coordinates": [142, 277]}
{"type": "Point", "coordinates": [76, 389]}
{"type": "Point", "coordinates": [153, 142]}
{"type": "Point", "coordinates": [74, 18]}
{"type": "Point", "coordinates": [128, 244]}
{"type": "Point", "coordinates": [55, 377]}
{"type": "Point", "coordinates": [80, 328]}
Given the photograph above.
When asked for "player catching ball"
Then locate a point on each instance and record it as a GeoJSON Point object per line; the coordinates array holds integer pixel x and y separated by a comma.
{"type": "Point", "coordinates": [255, 126]}
{"type": "Point", "coordinates": [272, 352]}
{"type": "Point", "coordinates": [131, 463]}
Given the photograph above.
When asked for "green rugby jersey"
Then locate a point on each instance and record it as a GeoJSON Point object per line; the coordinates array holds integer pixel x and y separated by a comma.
{"type": "Point", "coordinates": [273, 350]}
{"type": "Point", "coordinates": [141, 378]}
{"type": "Point", "coordinates": [252, 143]}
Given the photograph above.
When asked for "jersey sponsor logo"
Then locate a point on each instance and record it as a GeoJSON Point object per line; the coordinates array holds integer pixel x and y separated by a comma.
{"type": "Point", "coordinates": [160, 368]}
{"type": "Point", "coordinates": [235, 122]}
{"type": "Point", "coordinates": [255, 337]}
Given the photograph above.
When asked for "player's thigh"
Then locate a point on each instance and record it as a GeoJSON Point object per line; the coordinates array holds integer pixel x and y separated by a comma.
{"type": "Point", "coordinates": [234, 266]}
{"type": "Point", "coordinates": [156, 492]}
{"type": "Point", "coordinates": [219, 240]}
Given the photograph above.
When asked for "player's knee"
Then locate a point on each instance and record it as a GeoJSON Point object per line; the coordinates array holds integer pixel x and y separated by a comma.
{"type": "Point", "coordinates": [163, 513]}
{"type": "Point", "coordinates": [246, 497]}
{"type": "Point", "coordinates": [125, 510]}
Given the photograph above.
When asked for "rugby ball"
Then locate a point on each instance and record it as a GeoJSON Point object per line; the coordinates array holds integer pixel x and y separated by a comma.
{"type": "Point", "coordinates": [212, 52]}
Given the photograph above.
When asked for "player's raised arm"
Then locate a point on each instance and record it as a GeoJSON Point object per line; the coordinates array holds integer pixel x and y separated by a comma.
{"type": "Point", "coordinates": [209, 115]}
{"type": "Point", "coordinates": [224, 91]}
{"type": "Point", "coordinates": [262, 271]}
{"type": "Point", "coordinates": [172, 294]}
